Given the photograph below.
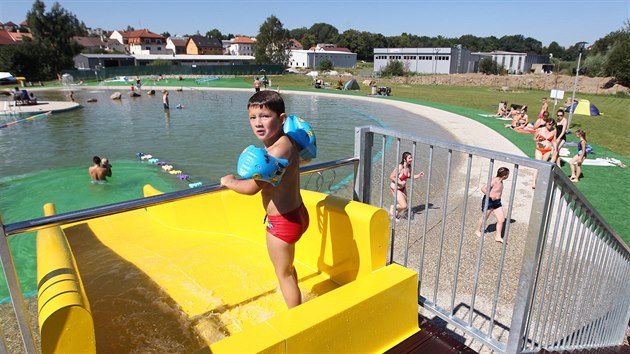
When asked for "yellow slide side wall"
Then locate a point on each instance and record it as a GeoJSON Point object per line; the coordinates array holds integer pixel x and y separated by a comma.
{"type": "Point", "coordinates": [369, 315]}
{"type": "Point", "coordinates": [65, 319]}
{"type": "Point", "coordinates": [345, 239]}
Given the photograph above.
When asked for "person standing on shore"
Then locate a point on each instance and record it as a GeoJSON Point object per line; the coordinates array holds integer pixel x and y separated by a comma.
{"type": "Point", "coordinates": [494, 203]}
{"type": "Point", "coordinates": [399, 184]}
{"type": "Point", "coordinates": [257, 85]}
{"type": "Point", "coordinates": [576, 161]}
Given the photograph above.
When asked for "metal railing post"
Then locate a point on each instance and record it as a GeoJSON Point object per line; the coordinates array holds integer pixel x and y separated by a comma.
{"type": "Point", "coordinates": [531, 259]}
{"type": "Point", "coordinates": [363, 143]}
{"type": "Point", "coordinates": [15, 291]}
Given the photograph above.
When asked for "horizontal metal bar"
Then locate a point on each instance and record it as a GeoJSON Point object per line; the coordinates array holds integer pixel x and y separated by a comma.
{"type": "Point", "coordinates": [115, 208]}
{"type": "Point", "coordinates": [463, 325]}
{"type": "Point", "coordinates": [497, 155]}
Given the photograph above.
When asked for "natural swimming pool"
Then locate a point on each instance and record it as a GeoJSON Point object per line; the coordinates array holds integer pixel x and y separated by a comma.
{"type": "Point", "coordinates": [46, 160]}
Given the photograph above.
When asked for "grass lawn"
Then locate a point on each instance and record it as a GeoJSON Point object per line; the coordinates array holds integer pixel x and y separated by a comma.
{"type": "Point", "coordinates": [607, 188]}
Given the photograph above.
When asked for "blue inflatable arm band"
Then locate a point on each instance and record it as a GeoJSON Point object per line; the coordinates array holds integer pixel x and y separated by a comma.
{"type": "Point", "coordinates": [255, 163]}
{"type": "Point", "coordinates": [302, 133]}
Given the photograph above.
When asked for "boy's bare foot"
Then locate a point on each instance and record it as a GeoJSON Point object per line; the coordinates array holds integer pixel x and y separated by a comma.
{"type": "Point", "coordinates": [498, 239]}
{"type": "Point", "coordinates": [478, 233]}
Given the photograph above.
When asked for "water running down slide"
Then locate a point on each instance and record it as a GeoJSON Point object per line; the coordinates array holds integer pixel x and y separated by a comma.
{"type": "Point", "coordinates": [184, 275]}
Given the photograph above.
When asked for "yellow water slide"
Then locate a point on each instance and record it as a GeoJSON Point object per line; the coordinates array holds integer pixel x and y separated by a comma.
{"type": "Point", "coordinates": [194, 275]}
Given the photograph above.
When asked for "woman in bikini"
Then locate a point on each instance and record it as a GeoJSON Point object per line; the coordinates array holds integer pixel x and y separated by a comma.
{"type": "Point", "coordinates": [545, 139]}
{"type": "Point", "coordinates": [561, 132]}
{"type": "Point", "coordinates": [399, 183]}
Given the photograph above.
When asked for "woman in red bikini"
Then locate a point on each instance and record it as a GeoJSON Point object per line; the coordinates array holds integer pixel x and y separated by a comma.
{"type": "Point", "coordinates": [398, 178]}
{"type": "Point", "coordinates": [545, 139]}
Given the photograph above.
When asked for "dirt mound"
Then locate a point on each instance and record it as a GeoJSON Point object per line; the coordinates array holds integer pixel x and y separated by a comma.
{"type": "Point", "coordinates": [515, 82]}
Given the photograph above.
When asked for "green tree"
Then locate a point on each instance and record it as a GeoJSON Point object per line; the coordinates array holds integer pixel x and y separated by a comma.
{"type": "Point", "coordinates": [166, 34]}
{"type": "Point", "coordinates": [556, 49]}
{"type": "Point", "coordinates": [618, 61]}
{"type": "Point", "coordinates": [308, 41]}
{"type": "Point", "coordinates": [324, 33]}
{"type": "Point", "coordinates": [298, 33]}
{"type": "Point", "coordinates": [24, 59]}
{"type": "Point", "coordinates": [272, 43]}
{"type": "Point", "coordinates": [595, 64]}
{"type": "Point", "coordinates": [52, 33]}
{"type": "Point", "coordinates": [215, 33]}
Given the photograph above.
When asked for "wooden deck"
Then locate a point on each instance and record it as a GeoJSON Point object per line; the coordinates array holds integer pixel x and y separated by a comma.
{"type": "Point", "coordinates": [431, 339]}
{"type": "Point", "coordinates": [435, 340]}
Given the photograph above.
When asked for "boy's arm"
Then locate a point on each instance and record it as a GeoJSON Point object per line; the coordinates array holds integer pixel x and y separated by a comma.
{"type": "Point", "coordinates": [242, 186]}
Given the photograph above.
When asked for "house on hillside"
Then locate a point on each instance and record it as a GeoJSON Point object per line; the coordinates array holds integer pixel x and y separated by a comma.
{"type": "Point", "coordinates": [200, 45]}
{"type": "Point", "coordinates": [176, 45]}
{"type": "Point", "coordinates": [141, 41]}
{"type": "Point", "coordinates": [295, 44]}
{"type": "Point", "coordinates": [91, 44]}
{"type": "Point", "coordinates": [242, 45]}
{"type": "Point", "coordinates": [9, 38]}
{"type": "Point", "coordinates": [340, 57]}
{"type": "Point", "coordinates": [9, 26]}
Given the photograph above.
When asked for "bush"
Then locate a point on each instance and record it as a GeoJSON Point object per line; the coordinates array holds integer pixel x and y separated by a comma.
{"type": "Point", "coordinates": [490, 67]}
{"type": "Point", "coordinates": [393, 68]}
{"type": "Point", "coordinates": [618, 63]}
{"type": "Point", "coordinates": [325, 65]}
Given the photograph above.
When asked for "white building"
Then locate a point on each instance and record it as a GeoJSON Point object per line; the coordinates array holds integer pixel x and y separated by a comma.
{"type": "Point", "coordinates": [426, 60]}
{"type": "Point", "coordinates": [514, 63]}
{"type": "Point", "coordinates": [242, 46]}
{"type": "Point", "coordinates": [340, 57]}
{"type": "Point", "coordinates": [141, 41]}
{"type": "Point", "coordinates": [176, 45]}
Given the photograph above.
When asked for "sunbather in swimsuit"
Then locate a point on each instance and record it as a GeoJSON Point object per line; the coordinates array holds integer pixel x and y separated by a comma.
{"type": "Point", "coordinates": [544, 148]}
{"type": "Point", "coordinates": [290, 226]}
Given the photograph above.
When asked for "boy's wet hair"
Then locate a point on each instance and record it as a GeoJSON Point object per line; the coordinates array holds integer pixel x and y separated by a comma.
{"type": "Point", "coordinates": [270, 99]}
{"type": "Point", "coordinates": [96, 160]}
{"type": "Point", "coordinates": [503, 171]}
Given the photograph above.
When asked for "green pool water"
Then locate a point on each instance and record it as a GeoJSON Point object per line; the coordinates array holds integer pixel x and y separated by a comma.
{"type": "Point", "coordinates": [46, 160]}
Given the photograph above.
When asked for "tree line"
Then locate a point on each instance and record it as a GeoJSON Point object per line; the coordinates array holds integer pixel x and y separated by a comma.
{"type": "Point", "coordinates": [52, 49]}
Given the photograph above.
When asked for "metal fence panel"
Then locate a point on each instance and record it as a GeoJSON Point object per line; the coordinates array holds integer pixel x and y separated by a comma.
{"type": "Point", "coordinates": [558, 281]}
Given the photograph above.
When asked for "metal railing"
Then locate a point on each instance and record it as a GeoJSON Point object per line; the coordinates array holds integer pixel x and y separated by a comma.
{"type": "Point", "coordinates": [559, 280]}
{"type": "Point", "coordinates": [6, 258]}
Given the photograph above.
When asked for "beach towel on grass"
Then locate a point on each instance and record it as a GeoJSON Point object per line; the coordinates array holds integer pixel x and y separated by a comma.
{"type": "Point", "coordinates": [593, 162]}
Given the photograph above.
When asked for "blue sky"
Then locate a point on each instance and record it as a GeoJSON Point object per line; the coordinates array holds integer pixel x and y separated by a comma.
{"type": "Point", "coordinates": [563, 21]}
